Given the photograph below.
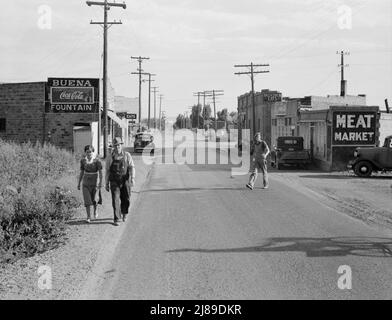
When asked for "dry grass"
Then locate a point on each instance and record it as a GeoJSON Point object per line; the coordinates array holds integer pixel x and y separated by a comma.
{"type": "Point", "coordinates": [35, 203]}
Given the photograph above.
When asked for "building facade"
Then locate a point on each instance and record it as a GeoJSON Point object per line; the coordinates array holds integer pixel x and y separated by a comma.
{"type": "Point", "coordinates": [278, 116]}
{"type": "Point", "coordinates": [65, 112]}
{"type": "Point", "coordinates": [385, 126]}
{"type": "Point", "coordinates": [264, 101]}
{"type": "Point", "coordinates": [332, 134]}
{"type": "Point", "coordinates": [284, 118]}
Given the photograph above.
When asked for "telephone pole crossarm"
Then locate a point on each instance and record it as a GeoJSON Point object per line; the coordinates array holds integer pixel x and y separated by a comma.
{"type": "Point", "coordinates": [110, 4]}
{"type": "Point", "coordinates": [107, 23]}
{"type": "Point", "coordinates": [250, 65]}
{"type": "Point", "coordinates": [254, 72]}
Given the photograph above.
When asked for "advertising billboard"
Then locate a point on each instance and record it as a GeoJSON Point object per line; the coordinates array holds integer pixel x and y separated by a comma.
{"type": "Point", "coordinates": [72, 95]}
{"type": "Point", "coordinates": [354, 128]}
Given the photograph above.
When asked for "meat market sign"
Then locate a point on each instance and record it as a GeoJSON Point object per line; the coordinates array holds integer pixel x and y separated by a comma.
{"type": "Point", "coordinates": [354, 128]}
{"type": "Point", "coordinates": [72, 95]}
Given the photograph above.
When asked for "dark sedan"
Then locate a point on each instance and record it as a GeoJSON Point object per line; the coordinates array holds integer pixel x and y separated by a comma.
{"type": "Point", "coordinates": [143, 141]}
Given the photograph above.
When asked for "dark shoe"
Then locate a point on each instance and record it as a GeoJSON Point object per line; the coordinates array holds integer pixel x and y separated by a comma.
{"type": "Point", "coordinates": [115, 223]}
{"type": "Point", "coordinates": [249, 186]}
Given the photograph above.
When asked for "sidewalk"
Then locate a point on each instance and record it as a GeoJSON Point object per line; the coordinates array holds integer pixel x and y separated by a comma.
{"type": "Point", "coordinates": [87, 246]}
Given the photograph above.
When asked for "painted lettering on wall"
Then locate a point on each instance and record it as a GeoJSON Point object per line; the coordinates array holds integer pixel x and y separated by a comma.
{"type": "Point", "coordinates": [70, 95]}
{"type": "Point", "coordinates": [354, 127]}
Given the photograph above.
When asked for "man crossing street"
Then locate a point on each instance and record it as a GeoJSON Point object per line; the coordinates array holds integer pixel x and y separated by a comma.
{"type": "Point", "coordinates": [259, 152]}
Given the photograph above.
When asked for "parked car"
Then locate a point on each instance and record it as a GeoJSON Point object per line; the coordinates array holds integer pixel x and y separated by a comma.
{"type": "Point", "coordinates": [144, 140]}
{"type": "Point", "coordinates": [290, 151]}
{"type": "Point", "coordinates": [369, 159]}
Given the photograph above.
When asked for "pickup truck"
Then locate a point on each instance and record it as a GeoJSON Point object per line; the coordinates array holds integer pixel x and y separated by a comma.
{"type": "Point", "coordinates": [372, 159]}
{"type": "Point", "coordinates": [290, 151]}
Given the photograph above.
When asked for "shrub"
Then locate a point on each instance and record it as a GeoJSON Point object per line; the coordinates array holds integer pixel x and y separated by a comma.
{"type": "Point", "coordinates": [23, 164]}
{"type": "Point", "coordinates": [34, 209]}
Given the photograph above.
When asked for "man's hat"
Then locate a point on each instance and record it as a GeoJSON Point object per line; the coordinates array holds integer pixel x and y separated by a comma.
{"type": "Point", "coordinates": [117, 140]}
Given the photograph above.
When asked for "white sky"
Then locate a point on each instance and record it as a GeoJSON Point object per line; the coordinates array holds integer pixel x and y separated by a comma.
{"type": "Point", "coordinates": [194, 44]}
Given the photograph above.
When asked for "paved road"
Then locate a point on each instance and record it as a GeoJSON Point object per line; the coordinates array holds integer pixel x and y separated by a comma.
{"type": "Point", "coordinates": [196, 233]}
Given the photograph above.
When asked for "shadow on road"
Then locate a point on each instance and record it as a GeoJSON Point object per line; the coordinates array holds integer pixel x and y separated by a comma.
{"type": "Point", "coordinates": [211, 167]}
{"type": "Point", "coordinates": [191, 189]}
{"type": "Point", "coordinates": [314, 247]}
{"type": "Point", "coordinates": [335, 176]}
{"type": "Point", "coordinates": [93, 221]}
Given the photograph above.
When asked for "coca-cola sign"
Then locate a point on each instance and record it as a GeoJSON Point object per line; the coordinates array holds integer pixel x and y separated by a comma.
{"type": "Point", "coordinates": [63, 95]}
{"type": "Point", "coordinates": [71, 95]}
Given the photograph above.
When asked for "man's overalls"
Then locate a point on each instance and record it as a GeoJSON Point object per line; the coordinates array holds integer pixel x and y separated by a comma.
{"type": "Point", "coordinates": [119, 186]}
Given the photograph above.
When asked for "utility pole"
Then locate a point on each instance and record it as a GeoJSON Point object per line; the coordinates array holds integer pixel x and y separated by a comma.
{"type": "Point", "coordinates": [160, 111]}
{"type": "Point", "coordinates": [149, 97]}
{"type": "Point", "coordinates": [186, 120]}
{"type": "Point", "coordinates": [140, 72]}
{"type": "Point", "coordinates": [106, 5]}
{"type": "Point", "coordinates": [252, 72]}
{"type": "Point", "coordinates": [214, 94]}
{"type": "Point", "coordinates": [155, 106]}
{"type": "Point", "coordinates": [343, 83]}
{"type": "Point", "coordinates": [198, 94]}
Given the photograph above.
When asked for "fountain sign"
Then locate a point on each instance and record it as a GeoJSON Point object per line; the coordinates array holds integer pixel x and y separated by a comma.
{"type": "Point", "coordinates": [71, 95]}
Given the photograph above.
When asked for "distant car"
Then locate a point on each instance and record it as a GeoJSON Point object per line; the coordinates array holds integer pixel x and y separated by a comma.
{"type": "Point", "coordinates": [369, 159]}
{"type": "Point", "coordinates": [144, 140]}
{"type": "Point", "coordinates": [290, 151]}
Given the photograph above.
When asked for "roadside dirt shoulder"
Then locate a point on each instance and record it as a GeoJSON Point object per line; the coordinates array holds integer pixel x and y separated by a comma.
{"type": "Point", "coordinates": [72, 264]}
{"type": "Point", "coordinates": [367, 199]}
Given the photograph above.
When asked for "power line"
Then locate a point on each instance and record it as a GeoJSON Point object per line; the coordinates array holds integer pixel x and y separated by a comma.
{"type": "Point", "coordinates": [343, 83]}
{"type": "Point", "coordinates": [140, 72]}
{"type": "Point", "coordinates": [160, 111]}
{"type": "Point", "coordinates": [155, 106]}
{"type": "Point", "coordinates": [106, 5]}
{"type": "Point", "coordinates": [214, 94]}
{"type": "Point", "coordinates": [149, 97]}
{"type": "Point", "coordinates": [252, 72]}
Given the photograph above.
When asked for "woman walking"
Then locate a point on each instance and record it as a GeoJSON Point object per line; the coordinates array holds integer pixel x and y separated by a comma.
{"type": "Point", "coordinates": [91, 175]}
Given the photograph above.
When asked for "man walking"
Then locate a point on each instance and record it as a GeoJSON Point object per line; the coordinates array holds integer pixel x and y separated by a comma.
{"type": "Point", "coordinates": [259, 152]}
{"type": "Point", "coordinates": [120, 176]}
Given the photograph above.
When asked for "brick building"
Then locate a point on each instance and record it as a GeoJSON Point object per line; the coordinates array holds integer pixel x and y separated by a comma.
{"type": "Point", "coordinates": [284, 118]}
{"type": "Point", "coordinates": [66, 114]}
{"type": "Point", "coordinates": [278, 116]}
{"type": "Point", "coordinates": [264, 100]}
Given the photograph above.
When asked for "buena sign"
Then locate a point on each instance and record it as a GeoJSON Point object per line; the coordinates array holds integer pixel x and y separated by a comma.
{"type": "Point", "coordinates": [71, 95]}
{"type": "Point", "coordinates": [354, 128]}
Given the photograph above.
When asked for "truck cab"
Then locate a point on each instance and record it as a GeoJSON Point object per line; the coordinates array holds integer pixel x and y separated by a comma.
{"type": "Point", "coordinates": [290, 151]}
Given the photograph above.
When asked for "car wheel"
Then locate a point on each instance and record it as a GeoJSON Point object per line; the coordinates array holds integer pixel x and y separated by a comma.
{"type": "Point", "coordinates": [363, 169]}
